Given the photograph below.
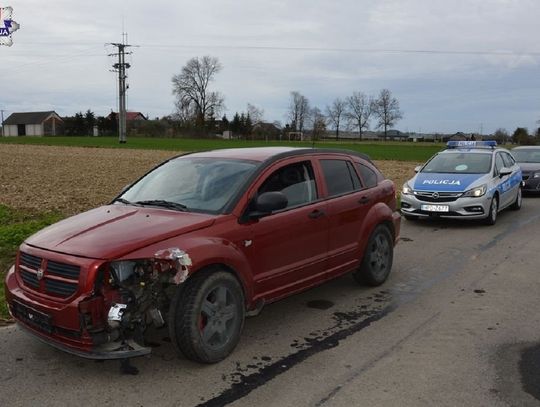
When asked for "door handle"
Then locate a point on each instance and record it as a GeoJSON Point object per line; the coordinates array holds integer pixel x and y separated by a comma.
{"type": "Point", "coordinates": [364, 200]}
{"type": "Point", "coordinates": [316, 214]}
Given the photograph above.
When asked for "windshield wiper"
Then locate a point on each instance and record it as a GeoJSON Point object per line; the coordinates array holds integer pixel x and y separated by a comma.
{"type": "Point", "coordinates": [165, 204]}
{"type": "Point", "coordinates": [124, 201]}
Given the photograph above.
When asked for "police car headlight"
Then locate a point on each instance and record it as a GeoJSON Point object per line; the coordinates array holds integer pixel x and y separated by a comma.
{"type": "Point", "coordinates": [476, 192]}
{"type": "Point", "coordinates": [407, 190]}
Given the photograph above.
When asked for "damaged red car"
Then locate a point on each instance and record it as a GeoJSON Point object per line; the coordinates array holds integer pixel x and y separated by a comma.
{"type": "Point", "coordinates": [198, 243]}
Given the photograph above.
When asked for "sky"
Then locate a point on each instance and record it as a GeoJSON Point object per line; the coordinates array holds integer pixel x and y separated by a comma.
{"type": "Point", "coordinates": [461, 65]}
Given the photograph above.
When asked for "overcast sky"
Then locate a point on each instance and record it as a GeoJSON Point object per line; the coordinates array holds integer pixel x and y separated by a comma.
{"type": "Point", "coordinates": [453, 65]}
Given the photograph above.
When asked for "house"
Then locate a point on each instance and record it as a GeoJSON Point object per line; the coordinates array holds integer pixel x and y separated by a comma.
{"type": "Point", "coordinates": [33, 124]}
{"type": "Point", "coordinates": [130, 116]}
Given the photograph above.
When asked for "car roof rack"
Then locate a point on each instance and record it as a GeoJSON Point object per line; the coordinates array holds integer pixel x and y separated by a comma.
{"type": "Point", "coordinates": [471, 144]}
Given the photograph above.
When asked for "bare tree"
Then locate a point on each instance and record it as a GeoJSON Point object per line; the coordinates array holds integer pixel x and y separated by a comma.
{"type": "Point", "coordinates": [298, 111]}
{"type": "Point", "coordinates": [359, 110]}
{"type": "Point", "coordinates": [191, 89]}
{"type": "Point", "coordinates": [387, 110]}
{"type": "Point", "coordinates": [318, 123]}
{"type": "Point", "coordinates": [335, 114]}
{"type": "Point", "coordinates": [255, 114]}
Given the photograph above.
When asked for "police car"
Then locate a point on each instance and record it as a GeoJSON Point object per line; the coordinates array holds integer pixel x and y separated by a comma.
{"type": "Point", "coordinates": [468, 180]}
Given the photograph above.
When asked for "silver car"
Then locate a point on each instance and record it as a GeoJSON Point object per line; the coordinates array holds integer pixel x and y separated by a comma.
{"type": "Point", "coordinates": [469, 180]}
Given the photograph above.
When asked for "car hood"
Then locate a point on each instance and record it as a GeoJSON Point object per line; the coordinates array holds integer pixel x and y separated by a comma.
{"type": "Point", "coordinates": [528, 167]}
{"type": "Point", "coordinates": [115, 230]}
{"type": "Point", "coordinates": [444, 182]}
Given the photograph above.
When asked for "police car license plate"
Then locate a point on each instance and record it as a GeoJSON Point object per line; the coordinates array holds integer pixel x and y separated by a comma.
{"type": "Point", "coordinates": [435, 208]}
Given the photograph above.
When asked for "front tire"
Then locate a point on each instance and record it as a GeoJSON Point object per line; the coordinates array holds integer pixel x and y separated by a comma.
{"type": "Point", "coordinates": [516, 206]}
{"type": "Point", "coordinates": [207, 316]}
{"type": "Point", "coordinates": [378, 256]}
{"type": "Point", "coordinates": [493, 211]}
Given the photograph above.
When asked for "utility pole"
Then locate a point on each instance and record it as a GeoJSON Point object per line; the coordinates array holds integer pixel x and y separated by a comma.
{"type": "Point", "coordinates": [121, 67]}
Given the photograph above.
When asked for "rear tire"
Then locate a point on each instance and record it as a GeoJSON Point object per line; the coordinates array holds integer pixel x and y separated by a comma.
{"type": "Point", "coordinates": [516, 206]}
{"type": "Point", "coordinates": [378, 256]}
{"type": "Point", "coordinates": [207, 316]}
{"type": "Point", "coordinates": [493, 211]}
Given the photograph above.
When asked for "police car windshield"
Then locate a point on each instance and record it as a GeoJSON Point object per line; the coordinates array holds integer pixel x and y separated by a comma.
{"type": "Point", "coordinates": [527, 156]}
{"type": "Point", "coordinates": [459, 163]}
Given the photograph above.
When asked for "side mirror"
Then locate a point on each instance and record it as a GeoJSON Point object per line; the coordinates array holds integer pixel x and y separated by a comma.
{"type": "Point", "coordinates": [504, 171]}
{"type": "Point", "coordinates": [271, 201]}
{"type": "Point", "coordinates": [417, 168]}
{"type": "Point", "coordinates": [264, 205]}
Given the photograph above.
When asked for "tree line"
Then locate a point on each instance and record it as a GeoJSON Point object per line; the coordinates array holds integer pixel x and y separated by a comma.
{"type": "Point", "coordinates": [196, 106]}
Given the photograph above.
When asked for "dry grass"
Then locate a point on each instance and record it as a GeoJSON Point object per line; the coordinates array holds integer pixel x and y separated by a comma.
{"type": "Point", "coordinates": [73, 179]}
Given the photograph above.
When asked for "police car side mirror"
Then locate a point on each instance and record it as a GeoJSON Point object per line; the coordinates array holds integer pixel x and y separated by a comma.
{"type": "Point", "coordinates": [417, 168]}
{"type": "Point", "coordinates": [504, 171]}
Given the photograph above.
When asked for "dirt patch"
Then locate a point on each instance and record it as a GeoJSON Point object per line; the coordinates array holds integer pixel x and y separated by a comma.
{"type": "Point", "coordinates": [73, 179]}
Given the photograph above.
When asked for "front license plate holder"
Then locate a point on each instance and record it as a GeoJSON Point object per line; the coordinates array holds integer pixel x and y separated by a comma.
{"type": "Point", "coordinates": [435, 208]}
{"type": "Point", "coordinates": [32, 317]}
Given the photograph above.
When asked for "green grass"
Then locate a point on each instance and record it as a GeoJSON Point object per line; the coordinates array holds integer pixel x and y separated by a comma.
{"type": "Point", "coordinates": [15, 226]}
{"type": "Point", "coordinates": [402, 151]}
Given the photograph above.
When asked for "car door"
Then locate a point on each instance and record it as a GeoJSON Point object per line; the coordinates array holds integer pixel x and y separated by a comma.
{"type": "Point", "coordinates": [514, 178]}
{"type": "Point", "coordinates": [288, 248]}
{"type": "Point", "coordinates": [504, 186]}
{"type": "Point", "coordinates": [348, 203]}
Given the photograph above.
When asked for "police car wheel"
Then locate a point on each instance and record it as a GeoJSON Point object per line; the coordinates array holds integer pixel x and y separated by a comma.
{"type": "Point", "coordinates": [517, 203]}
{"type": "Point", "coordinates": [493, 210]}
{"type": "Point", "coordinates": [378, 256]}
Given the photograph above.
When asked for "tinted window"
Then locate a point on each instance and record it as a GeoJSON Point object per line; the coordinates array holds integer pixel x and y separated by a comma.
{"type": "Point", "coordinates": [296, 181]}
{"type": "Point", "coordinates": [340, 177]}
{"type": "Point", "coordinates": [368, 175]}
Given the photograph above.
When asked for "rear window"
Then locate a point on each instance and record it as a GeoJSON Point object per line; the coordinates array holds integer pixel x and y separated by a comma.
{"type": "Point", "coordinates": [368, 175]}
{"type": "Point", "coordinates": [340, 177]}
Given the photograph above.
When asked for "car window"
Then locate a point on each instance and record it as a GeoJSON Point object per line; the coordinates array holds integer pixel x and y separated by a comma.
{"type": "Point", "coordinates": [368, 175]}
{"type": "Point", "coordinates": [508, 160]}
{"type": "Point", "coordinates": [296, 181]}
{"type": "Point", "coordinates": [527, 155]}
{"type": "Point", "coordinates": [499, 163]}
{"type": "Point", "coordinates": [201, 184]}
{"type": "Point", "coordinates": [459, 163]}
{"type": "Point", "coordinates": [340, 177]}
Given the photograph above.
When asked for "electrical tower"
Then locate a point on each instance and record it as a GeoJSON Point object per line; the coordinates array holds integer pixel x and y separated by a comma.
{"type": "Point", "coordinates": [121, 67]}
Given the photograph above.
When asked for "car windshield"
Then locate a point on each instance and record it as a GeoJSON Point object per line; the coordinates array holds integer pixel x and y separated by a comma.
{"type": "Point", "coordinates": [531, 155]}
{"type": "Point", "coordinates": [459, 163]}
{"type": "Point", "coordinates": [192, 184]}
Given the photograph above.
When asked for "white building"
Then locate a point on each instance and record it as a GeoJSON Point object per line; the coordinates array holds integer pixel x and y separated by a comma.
{"type": "Point", "coordinates": [33, 124]}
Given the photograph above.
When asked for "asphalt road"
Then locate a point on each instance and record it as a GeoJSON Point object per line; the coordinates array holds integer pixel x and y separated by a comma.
{"type": "Point", "coordinates": [457, 324]}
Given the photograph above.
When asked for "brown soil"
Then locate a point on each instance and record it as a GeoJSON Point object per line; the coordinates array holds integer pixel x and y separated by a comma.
{"type": "Point", "coordinates": [73, 179]}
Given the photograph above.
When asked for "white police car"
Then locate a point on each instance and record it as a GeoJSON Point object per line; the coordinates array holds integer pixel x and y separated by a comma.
{"type": "Point", "coordinates": [468, 180]}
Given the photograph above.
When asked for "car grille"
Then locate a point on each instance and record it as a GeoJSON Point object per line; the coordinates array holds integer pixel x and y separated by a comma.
{"type": "Point", "coordinates": [47, 276]}
{"type": "Point", "coordinates": [431, 196]}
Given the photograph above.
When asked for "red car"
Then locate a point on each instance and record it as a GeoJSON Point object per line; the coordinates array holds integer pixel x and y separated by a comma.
{"type": "Point", "coordinates": [199, 242]}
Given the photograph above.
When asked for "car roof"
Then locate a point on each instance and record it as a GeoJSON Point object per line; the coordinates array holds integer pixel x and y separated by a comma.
{"type": "Point", "coordinates": [471, 150]}
{"type": "Point", "coordinates": [270, 153]}
{"type": "Point", "coordinates": [526, 148]}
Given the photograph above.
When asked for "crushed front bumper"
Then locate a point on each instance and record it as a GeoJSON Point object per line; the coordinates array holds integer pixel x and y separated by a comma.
{"type": "Point", "coordinates": [59, 324]}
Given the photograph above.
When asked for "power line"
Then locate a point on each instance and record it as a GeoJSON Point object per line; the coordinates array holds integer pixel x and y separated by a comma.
{"type": "Point", "coordinates": [348, 50]}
